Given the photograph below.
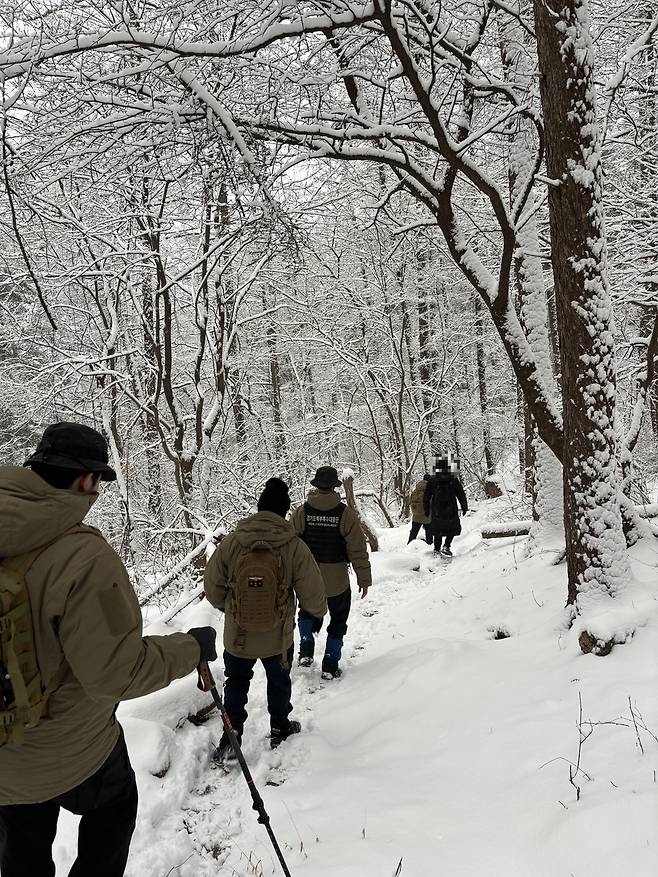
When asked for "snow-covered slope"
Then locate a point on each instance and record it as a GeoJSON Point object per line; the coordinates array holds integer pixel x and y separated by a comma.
{"type": "Point", "coordinates": [441, 745]}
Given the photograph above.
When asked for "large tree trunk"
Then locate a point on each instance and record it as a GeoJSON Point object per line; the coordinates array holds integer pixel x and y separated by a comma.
{"type": "Point", "coordinates": [594, 540]}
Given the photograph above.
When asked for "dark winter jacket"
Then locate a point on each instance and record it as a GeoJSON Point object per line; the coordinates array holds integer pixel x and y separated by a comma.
{"type": "Point", "coordinates": [440, 503]}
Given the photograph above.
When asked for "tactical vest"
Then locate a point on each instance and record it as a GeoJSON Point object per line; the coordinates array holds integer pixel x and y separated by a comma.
{"type": "Point", "coordinates": [322, 534]}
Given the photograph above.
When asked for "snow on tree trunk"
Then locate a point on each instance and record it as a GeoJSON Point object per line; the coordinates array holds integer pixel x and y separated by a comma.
{"type": "Point", "coordinates": [347, 478]}
{"type": "Point", "coordinates": [480, 360]}
{"type": "Point", "coordinates": [548, 508]}
{"type": "Point", "coordinates": [595, 544]}
{"type": "Point", "coordinates": [547, 470]}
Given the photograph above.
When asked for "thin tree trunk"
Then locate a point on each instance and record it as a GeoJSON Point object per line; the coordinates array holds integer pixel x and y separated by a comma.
{"type": "Point", "coordinates": [274, 370]}
{"type": "Point", "coordinates": [150, 429]}
{"type": "Point", "coordinates": [482, 385]}
{"type": "Point", "coordinates": [350, 499]}
{"type": "Point", "coordinates": [543, 470]}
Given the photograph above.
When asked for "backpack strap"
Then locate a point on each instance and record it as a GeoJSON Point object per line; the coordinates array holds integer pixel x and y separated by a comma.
{"type": "Point", "coordinates": [29, 699]}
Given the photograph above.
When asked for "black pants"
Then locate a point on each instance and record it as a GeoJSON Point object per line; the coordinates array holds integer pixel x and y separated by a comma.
{"type": "Point", "coordinates": [446, 544]}
{"type": "Point", "coordinates": [239, 673]}
{"type": "Point", "coordinates": [107, 802]}
{"type": "Point", "coordinates": [339, 610]}
{"type": "Point", "coordinates": [415, 530]}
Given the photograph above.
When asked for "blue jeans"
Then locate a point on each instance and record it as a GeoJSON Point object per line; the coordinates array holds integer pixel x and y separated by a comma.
{"type": "Point", "coordinates": [339, 610]}
{"type": "Point", "coordinates": [239, 673]}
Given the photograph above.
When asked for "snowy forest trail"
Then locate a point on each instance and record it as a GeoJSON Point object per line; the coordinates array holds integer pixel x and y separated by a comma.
{"type": "Point", "coordinates": [440, 745]}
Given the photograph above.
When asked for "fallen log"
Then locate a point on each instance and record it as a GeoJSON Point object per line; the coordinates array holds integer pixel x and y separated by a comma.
{"type": "Point", "coordinates": [507, 528]}
{"type": "Point", "coordinates": [522, 528]}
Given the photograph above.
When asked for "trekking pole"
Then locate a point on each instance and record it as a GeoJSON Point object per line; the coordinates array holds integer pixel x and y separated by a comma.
{"type": "Point", "coordinates": [207, 683]}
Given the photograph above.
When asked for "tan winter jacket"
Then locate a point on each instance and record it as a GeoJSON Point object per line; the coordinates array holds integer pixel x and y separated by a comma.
{"type": "Point", "coordinates": [300, 573]}
{"type": "Point", "coordinates": [335, 575]}
{"type": "Point", "coordinates": [418, 515]}
{"type": "Point", "coordinates": [88, 625]}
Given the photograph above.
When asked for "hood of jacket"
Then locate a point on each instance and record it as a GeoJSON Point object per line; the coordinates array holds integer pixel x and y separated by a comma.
{"type": "Point", "coordinates": [323, 499]}
{"type": "Point", "coordinates": [264, 527]}
{"type": "Point", "coordinates": [33, 513]}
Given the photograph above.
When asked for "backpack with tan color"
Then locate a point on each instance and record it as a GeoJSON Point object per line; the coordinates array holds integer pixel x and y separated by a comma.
{"type": "Point", "coordinates": [256, 578]}
{"type": "Point", "coordinates": [23, 696]}
{"type": "Point", "coordinates": [261, 599]}
{"type": "Point", "coordinates": [416, 501]}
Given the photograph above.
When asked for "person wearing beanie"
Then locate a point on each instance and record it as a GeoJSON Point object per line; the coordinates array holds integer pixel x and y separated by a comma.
{"type": "Point", "coordinates": [418, 517]}
{"type": "Point", "coordinates": [333, 533]}
{"type": "Point", "coordinates": [275, 497]}
{"type": "Point", "coordinates": [255, 577]}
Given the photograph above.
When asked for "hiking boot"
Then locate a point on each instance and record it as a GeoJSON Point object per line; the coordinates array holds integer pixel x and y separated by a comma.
{"type": "Point", "coordinates": [330, 668]}
{"type": "Point", "coordinates": [225, 754]}
{"type": "Point", "coordinates": [306, 649]}
{"type": "Point", "coordinates": [446, 551]}
{"type": "Point", "coordinates": [278, 735]}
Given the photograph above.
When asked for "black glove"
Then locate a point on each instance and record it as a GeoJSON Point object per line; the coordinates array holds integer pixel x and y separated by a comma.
{"type": "Point", "coordinates": [316, 627]}
{"type": "Point", "coordinates": [205, 636]}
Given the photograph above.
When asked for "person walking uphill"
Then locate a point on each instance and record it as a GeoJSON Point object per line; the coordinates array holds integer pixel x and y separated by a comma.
{"type": "Point", "coordinates": [77, 636]}
{"type": "Point", "coordinates": [253, 578]}
{"type": "Point", "coordinates": [440, 503]}
{"type": "Point", "coordinates": [333, 533]}
{"type": "Point", "coordinates": [418, 517]}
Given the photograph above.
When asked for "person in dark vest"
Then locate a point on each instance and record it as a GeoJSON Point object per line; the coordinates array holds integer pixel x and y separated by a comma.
{"type": "Point", "coordinates": [418, 517]}
{"type": "Point", "coordinates": [333, 533]}
{"type": "Point", "coordinates": [443, 491]}
{"type": "Point", "coordinates": [244, 644]}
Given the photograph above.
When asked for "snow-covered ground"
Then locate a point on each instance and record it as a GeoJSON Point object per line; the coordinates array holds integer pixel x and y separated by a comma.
{"type": "Point", "coordinates": [441, 746]}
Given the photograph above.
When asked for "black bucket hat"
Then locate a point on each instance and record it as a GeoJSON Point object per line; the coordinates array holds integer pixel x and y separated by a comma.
{"type": "Point", "coordinates": [326, 478]}
{"type": "Point", "coordinates": [73, 446]}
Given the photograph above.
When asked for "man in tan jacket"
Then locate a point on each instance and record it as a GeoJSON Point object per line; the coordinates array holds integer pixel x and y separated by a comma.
{"type": "Point", "coordinates": [88, 639]}
{"type": "Point", "coordinates": [235, 575]}
{"type": "Point", "coordinates": [333, 533]}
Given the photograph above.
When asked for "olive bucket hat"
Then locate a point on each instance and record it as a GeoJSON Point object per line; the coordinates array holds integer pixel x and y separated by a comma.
{"type": "Point", "coordinates": [73, 446]}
